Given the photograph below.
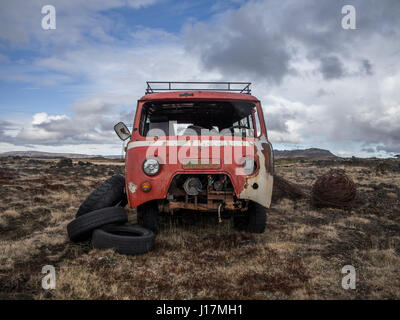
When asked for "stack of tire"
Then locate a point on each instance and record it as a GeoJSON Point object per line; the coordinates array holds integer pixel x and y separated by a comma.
{"type": "Point", "coordinates": [102, 218]}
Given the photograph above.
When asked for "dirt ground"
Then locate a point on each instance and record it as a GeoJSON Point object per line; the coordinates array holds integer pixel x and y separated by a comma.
{"type": "Point", "coordinates": [300, 256]}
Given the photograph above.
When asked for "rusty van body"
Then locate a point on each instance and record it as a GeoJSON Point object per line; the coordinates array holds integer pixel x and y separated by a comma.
{"type": "Point", "coordinates": [200, 150]}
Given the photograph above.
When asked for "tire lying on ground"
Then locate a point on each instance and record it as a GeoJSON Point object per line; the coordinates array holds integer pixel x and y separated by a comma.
{"type": "Point", "coordinates": [81, 228]}
{"type": "Point", "coordinates": [110, 193]}
{"type": "Point", "coordinates": [128, 239]}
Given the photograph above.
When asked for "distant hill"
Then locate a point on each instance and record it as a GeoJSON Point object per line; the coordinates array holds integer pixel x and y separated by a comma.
{"type": "Point", "coordinates": [39, 154]}
{"type": "Point", "coordinates": [304, 153]}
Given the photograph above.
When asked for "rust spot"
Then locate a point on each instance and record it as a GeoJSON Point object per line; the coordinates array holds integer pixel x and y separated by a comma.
{"type": "Point", "coordinates": [267, 152]}
{"type": "Point", "coordinates": [132, 187]}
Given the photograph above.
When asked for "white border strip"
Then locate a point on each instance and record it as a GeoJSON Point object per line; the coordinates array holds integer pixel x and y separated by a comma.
{"type": "Point", "coordinates": [189, 143]}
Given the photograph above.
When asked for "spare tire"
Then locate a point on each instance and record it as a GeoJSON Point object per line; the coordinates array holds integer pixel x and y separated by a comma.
{"type": "Point", "coordinates": [128, 239]}
{"type": "Point", "coordinates": [110, 193]}
{"type": "Point", "coordinates": [81, 228]}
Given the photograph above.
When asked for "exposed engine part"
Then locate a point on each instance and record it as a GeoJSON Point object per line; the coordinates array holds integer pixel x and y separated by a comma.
{"type": "Point", "coordinates": [198, 192]}
{"type": "Point", "coordinates": [210, 180]}
{"type": "Point", "coordinates": [192, 186]}
{"type": "Point", "coordinates": [220, 184]}
{"type": "Point", "coordinates": [219, 212]}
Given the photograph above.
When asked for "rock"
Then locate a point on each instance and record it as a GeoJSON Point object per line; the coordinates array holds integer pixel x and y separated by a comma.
{"type": "Point", "coordinates": [64, 163]}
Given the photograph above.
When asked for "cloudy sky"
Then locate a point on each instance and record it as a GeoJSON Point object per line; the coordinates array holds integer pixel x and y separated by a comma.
{"type": "Point", "coordinates": [320, 85]}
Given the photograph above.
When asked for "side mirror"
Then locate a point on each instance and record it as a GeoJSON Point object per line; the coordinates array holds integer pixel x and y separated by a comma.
{"type": "Point", "coordinates": [122, 131]}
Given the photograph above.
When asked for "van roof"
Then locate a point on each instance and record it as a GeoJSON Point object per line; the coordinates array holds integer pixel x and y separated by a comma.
{"type": "Point", "coordinates": [198, 95]}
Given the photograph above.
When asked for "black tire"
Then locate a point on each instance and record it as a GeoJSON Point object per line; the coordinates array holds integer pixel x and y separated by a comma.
{"type": "Point", "coordinates": [257, 218]}
{"type": "Point", "coordinates": [240, 222]}
{"type": "Point", "coordinates": [253, 221]}
{"type": "Point", "coordinates": [123, 202]}
{"type": "Point", "coordinates": [81, 228]}
{"type": "Point", "coordinates": [110, 193]}
{"type": "Point", "coordinates": [147, 215]}
{"type": "Point", "coordinates": [128, 239]}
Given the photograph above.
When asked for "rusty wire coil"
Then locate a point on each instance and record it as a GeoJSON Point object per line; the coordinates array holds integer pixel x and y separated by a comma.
{"type": "Point", "coordinates": [334, 189]}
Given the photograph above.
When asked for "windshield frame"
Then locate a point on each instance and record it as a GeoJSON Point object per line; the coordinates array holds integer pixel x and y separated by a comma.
{"type": "Point", "coordinates": [257, 111]}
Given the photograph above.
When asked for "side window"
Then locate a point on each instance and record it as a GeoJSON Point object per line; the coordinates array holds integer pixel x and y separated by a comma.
{"type": "Point", "coordinates": [145, 124]}
{"type": "Point", "coordinates": [258, 125]}
{"type": "Point", "coordinates": [251, 126]}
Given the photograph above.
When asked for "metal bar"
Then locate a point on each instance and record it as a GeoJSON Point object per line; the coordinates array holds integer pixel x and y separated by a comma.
{"type": "Point", "coordinates": [148, 89]}
{"type": "Point", "coordinates": [205, 82]}
{"type": "Point", "coordinates": [197, 89]}
{"type": "Point", "coordinates": [246, 89]}
{"type": "Point", "coordinates": [245, 86]}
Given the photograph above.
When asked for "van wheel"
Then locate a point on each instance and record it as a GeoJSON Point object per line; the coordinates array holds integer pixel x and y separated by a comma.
{"type": "Point", "coordinates": [240, 222]}
{"type": "Point", "coordinates": [257, 218]}
{"type": "Point", "coordinates": [147, 216]}
{"type": "Point", "coordinates": [253, 221]}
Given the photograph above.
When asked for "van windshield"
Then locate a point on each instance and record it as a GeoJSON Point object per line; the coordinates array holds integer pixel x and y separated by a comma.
{"type": "Point", "coordinates": [198, 118]}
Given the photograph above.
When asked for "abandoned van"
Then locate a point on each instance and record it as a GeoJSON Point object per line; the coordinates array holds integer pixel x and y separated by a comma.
{"type": "Point", "coordinates": [199, 146]}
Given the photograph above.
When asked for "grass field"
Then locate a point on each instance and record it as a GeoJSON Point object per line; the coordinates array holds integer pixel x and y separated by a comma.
{"type": "Point", "coordinates": [300, 256]}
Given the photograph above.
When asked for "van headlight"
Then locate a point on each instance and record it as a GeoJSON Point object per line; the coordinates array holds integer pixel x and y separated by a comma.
{"type": "Point", "coordinates": [151, 167]}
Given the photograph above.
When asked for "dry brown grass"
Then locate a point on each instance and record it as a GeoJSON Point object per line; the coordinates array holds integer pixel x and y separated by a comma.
{"type": "Point", "coordinates": [300, 255]}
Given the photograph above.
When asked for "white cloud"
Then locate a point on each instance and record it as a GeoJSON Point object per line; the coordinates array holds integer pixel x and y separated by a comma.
{"type": "Point", "coordinates": [319, 85]}
{"type": "Point", "coordinates": [153, 35]}
{"type": "Point", "coordinates": [43, 117]}
{"type": "Point", "coordinates": [20, 21]}
{"type": "Point", "coordinates": [115, 80]}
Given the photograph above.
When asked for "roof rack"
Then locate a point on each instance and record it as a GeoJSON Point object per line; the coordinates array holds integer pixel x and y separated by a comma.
{"type": "Point", "coordinates": [241, 87]}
